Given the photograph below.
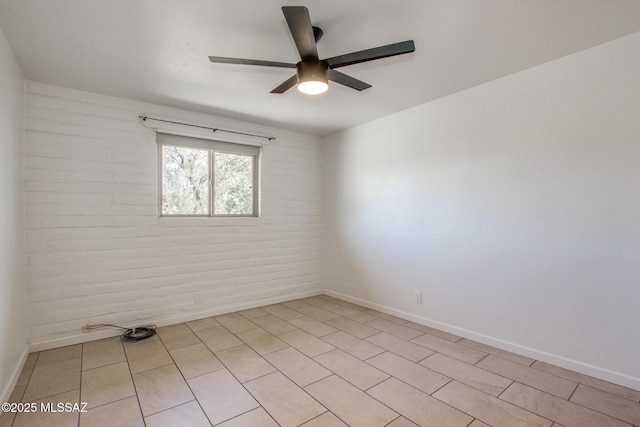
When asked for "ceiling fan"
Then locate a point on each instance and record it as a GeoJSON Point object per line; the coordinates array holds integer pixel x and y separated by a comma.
{"type": "Point", "coordinates": [312, 73]}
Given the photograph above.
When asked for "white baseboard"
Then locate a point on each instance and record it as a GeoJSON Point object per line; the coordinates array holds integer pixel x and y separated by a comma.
{"type": "Point", "coordinates": [563, 362]}
{"type": "Point", "coordinates": [166, 321]}
{"type": "Point", "coordinates": [15, 375]}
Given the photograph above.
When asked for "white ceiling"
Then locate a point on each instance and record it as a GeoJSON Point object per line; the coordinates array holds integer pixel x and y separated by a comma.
{"type": "Point", "coordinates": [156, 50]}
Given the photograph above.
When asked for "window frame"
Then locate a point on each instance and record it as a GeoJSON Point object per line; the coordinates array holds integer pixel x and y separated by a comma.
{"type": "Point", "coordinates": [212, 147]}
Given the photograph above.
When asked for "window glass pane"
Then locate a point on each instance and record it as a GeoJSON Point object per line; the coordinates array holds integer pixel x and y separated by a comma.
{"type": "Point", "coordinates": [233, 184]}
{"type": "Point", "coordinates": [185, 181]}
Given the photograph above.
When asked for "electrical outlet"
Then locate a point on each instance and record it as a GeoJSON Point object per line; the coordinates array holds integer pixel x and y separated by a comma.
{"type": "Point", "coordinates": [418, 297]}
{"type": "Point", "coordinates": [198, 298]}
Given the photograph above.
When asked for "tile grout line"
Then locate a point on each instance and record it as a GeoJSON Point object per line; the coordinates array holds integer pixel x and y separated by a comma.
{"type": "Point", "coordinates": [261, 376]}
{"type": "Point", "coordinates": [433, 370]}
{"type": "Point", "coordinates": [334, 373]}
{"type": "Point", "coordinates": [394, 420]}
{"type": "Point", "coordinates": [504, 401]}
{"type": "Point", "coordinates": [135, 389]}
{"type": "Point", "coordinates": [419, 391]}
{"type": "Point", "coordinates": [81, 375]}
{"type": "Point", "coordinates": [584, 384]}
{"type": "Point", "coordinates": [568, 401]}
{"type": "Point", "coordinates": [184, 379]}
{"type": "Point", "coordinates": [593, 409]}
{"type": "Point", "coordinates": [573, 392]}
{"type": "Point", "coordinates": [476, 364]}
{"type": "Point", "coordinates": [450, 381]}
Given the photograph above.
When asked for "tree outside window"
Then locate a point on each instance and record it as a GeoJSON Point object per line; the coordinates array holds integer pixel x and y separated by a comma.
{"type": "Point", "coordinates": [203, 182]}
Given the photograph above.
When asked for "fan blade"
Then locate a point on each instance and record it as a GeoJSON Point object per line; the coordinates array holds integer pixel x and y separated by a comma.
{"type": "Point", "coordinates": [348, 81]}
{"type": "Point", "coordinates": [288, 84]}
{"type": "Point", "coordinates": [302, 31]}
{"type": "Point", "coordinates": [371, 54]}
{"type": "Point", "coordinates": [224, 60]}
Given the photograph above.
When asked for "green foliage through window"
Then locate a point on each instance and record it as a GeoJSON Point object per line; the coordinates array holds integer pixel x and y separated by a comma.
{"type": "Point", "coordinates": [234, 184]}
{"type": "Point", "coordinates": [190, 174]}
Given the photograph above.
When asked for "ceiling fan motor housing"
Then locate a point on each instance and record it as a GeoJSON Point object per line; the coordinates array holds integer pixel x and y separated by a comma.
{"type": "Point", "coordinates": [312, 71]}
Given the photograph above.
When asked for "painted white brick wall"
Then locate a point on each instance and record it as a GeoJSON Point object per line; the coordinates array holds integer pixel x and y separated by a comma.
{"type": "Point", "coordinates": [96, 251]}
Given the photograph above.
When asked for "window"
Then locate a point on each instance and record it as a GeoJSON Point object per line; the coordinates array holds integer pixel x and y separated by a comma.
{"type": "Point", "coordinates": [199, 177]}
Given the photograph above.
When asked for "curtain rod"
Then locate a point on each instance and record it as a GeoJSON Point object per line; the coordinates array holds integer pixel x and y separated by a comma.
{"type": "Point", "coordinates": [268, 138]}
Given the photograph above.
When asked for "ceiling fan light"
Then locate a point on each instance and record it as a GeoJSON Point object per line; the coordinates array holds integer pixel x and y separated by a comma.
{"type": "Point", "coordinates": [313, 87]}
{"type": "Point", "coordinates": [312, 77]}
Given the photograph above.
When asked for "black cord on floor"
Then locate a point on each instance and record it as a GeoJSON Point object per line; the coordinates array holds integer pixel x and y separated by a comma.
{"type": "Point", "coordinates": [129, 334]}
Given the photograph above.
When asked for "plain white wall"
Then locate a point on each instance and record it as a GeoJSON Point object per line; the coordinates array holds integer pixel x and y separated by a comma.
{"type": "Point", "coordinates": [96, 251]}
{"type": "Point", "coordinates": [513, 206]}
{"type": "Point", "coordinates": [13, 313]}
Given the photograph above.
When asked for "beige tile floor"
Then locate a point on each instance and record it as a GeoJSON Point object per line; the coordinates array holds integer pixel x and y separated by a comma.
{"type": "Point", "coordinates": [316, 361]}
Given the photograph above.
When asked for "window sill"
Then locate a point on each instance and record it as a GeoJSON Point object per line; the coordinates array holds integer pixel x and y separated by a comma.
{"type": "Point", "coordinates": [207, 221]}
